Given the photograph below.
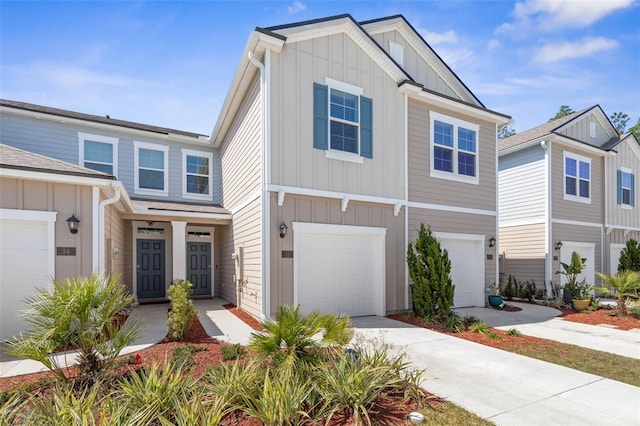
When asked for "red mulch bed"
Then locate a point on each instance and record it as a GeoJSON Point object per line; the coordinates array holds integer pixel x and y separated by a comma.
{"type": "Point", "coordinates": [251, 321]}
{"type": "Point", "coordinates": [601, 316]}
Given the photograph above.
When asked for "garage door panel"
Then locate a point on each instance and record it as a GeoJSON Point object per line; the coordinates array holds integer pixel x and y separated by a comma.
{"type": "Point", "coordinates": [467, 270]}
{"type": "Point", "coordinates": [586, 251]}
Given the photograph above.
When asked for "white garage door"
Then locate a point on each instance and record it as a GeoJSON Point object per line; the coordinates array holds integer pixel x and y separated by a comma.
{"type": "Point", "coordinates": [614, 256]}
{"type": "Point", "coordinates": [466, 253]}
{"type": "Point", "coordinates": [339, 269]}
{"type": "Point", "coordinates": [26, 262]}
{"type": "Point", "coordinates": [587, 251]}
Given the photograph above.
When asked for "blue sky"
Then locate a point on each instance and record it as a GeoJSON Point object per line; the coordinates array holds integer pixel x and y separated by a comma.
{"type": "Point", "coordinates": [170, 63]}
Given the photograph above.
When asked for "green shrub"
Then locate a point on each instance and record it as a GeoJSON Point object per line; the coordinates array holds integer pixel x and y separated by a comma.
{"type": "Point", "coordinates": [479, 327]}
{"type": "Point", "coordinates": [182, 310]}
{"type": "Point", "coordinates": [469, 319]}
{"type": "Point", "coordinates": [492, 335]}
{"type": "Point", "coordinates": [235, 351]}
{"type": "Point", "coordinates": [453, 323]}
{"type": "Point", "coordinates": [430, 270]}
{"type": "Point", "coordinates": [510, 290]}
{"type": "Point", "coordinates": [77, 312]}
{"type": "Point", "coordinates": [626, 283]}
{"type": "Point", "coordinates": [183, 355]}
{"type": "Point", "coordinates": [513, 332]}
{"type": "Point", "coordinates": [630, 257]}
{"type": "Point", "coordinates": [634, 312]}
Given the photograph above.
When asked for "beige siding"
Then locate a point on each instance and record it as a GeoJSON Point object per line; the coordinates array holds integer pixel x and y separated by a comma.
{"type": "Point", "coordinates": [118, 235]}
{"type": "Point", "coordinates": [462, 223]}
{"type": "Point", "coordinates": [580, 130]}
{"type": "Point", "coordinates": [327, 211]}
{"type": "Point", "coordinates": [418, 68]}
{"type": "Point", "coordinates": [426, 189]}
{"type": "Point", "coordinates": [65, 199]}
{"type": "Point", "coordinates": [579, 234]}
{"type": "Point", "coordinates": [629, 158]}
{"type": "Point", "coordinates": [573, 210]}
{"type": "Point", "coordinates": [294, 160]}
{"type": "Point", "coordinates": [524, 253]}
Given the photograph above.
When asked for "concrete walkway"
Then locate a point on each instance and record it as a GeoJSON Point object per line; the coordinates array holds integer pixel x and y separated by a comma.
{"type": "Point", "coordinates": [507, 388]}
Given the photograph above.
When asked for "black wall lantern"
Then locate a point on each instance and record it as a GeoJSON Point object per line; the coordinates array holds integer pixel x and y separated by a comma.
{"type": "Point", "coordinates": [73, 222]}
{"type": "Point", "coordinates": [492, 242]}
{"type": "Point", "coordinates": [558, 245]}
{"type": "Point", "coordinates": [283, 229]}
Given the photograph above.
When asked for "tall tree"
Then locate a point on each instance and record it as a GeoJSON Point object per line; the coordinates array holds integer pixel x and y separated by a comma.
{"type": "Point", "coordinates": [506, 132]}
{"type": "Point", "coordinates": [636, 130]}
{"type": "Point", "coordinates": [619, 121]}
{"type": "Point", "coordinates": [564, 111]}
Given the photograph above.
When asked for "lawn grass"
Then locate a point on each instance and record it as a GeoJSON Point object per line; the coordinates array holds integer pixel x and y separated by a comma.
{"type": "Point", "coordinates": [604, 364]}
{"type": "Point", "coordinates": [448, 414]}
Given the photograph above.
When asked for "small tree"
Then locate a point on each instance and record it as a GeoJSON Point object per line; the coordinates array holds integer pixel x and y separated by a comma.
{"type": "Point", "coordinates": [182, 310]}
{"type": "Point", "coordinates": [626, 283]}
{"type": "Point", "coordinates": [430, 271]}
{"type": "Point", "coordinates": [630, 257]}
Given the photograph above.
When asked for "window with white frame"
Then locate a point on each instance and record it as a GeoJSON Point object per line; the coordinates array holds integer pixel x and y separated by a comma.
{"type": "Point", "coordinates": [577, 178]}
{"type": "Point", "coordinates": [151, 169]}
{"type": "Point", "coordinates": [454, 148]}
{"type": "Point", "coordinates": [197, 170]}
{"type": "Point", "coordinates": [98, 152]}
{"type": "Point", "coordinates": [626, 188]}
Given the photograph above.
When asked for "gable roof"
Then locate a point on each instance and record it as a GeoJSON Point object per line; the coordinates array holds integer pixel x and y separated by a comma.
{"type": "Point", "coordinates": [24, 106]}
{"type": "Point", "coordinates": [18, 159]}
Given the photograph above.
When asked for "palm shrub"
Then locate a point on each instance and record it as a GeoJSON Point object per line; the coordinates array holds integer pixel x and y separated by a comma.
{"type": "Point", "coordinates": [296, 339]}
{"type": "Point", "coordinates": [77, 312]}
{"type": "Point", "coordinates": [630, 257]}
{"type": "Point", "coordinates": [183, 312]}
{"type": "Point", "coordinates": [626, 283]}
{"type": "Point", "coordinates": [430, 271]}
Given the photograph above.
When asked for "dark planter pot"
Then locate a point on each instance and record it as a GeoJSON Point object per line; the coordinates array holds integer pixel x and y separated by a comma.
{"type": "Point", "coordinates": [567, 296]}
{"type": "Point", "coordinates": [495, 301]}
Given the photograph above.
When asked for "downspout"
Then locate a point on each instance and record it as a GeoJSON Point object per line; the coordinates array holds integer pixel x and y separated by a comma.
{"type": "Point", "coordinates": [496, 248]}
{"type": "Point", "coordinates": [101, 207]}
{"type": "Point", "coordinates": [406, 197]}
{"type": "Point", "coordinates": [264, 199]}
{"type": "Point", "coordinates": [548, 250]}
{"type": "Point", "coordinates": [606, 209]}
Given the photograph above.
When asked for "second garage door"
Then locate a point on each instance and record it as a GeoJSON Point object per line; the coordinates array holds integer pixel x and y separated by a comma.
{"type": "Point", "coordinates": [467, 267]}
{"type": "Point", "coordinates": [339, 269]}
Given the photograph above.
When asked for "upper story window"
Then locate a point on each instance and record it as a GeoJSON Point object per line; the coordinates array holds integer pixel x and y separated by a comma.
{"type": "Point", "coordinates": [151, 169]}
{"type": "Point", "coordinates": [197, 171]}
{"type": "Point", "coordinates": [99, 153]}
{"type": "Point", "coordinates": [577, 178]}
{"type": "Point", "coordinates": [625, 188]}
{"type": "Point", "coordinates": [342, 124]}
{"type": "Point", "coordinates": [454, 148]}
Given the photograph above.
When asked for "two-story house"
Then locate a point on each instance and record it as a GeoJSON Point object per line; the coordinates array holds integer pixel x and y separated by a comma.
{"type": "Point", "coordinates": [337, 138]}
{"type": "Point", "coordinates": [567, 185]}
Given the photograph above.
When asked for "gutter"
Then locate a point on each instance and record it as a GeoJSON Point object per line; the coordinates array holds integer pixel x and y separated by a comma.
{"type": "Point", "coordinates": [101, 236]}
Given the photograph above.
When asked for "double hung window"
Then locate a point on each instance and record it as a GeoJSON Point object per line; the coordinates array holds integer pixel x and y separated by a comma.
{"type": "Point", "coordinates": [151, 163]}
{"type": "Point", "coordinates": [197, 174]}
{"type": "Point", "coordinates": [454, 148]}
{"type": "Point", "coordinates": [625, 188]}
{"type": "Point", "coordinates": [577, 178]}
{"type": "Point", "coordinates": [99, 152]}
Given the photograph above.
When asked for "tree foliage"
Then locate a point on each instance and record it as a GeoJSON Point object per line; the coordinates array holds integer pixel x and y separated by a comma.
{"type": "Point", "coordinates": [630, 257]}
{"type": "Point", "coordinates": [430, 271]}
{"type": "Point", "coordinates": [506, 132]}
{"type": "Point", "coordinates": [562, 112]}
{"type": "Point", "coordinates": [183, 312]}
{"type": "Point", "coordinates": [619, 121]}
{"type": "Point", "coordinates": [636, 130]}
{"type": "Point", "coordinates": [625, 282]}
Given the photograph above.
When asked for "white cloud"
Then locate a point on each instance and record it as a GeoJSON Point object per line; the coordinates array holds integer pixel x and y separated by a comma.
{"type": "Point", "coordinates": [551, 15]}
{"type": "Point", "coordinates": [72, 77]}
{"type": "Point", "coordinates": [493, 44]}
{"type": "Point", "coordinates": [440, 38]}
{"type": "Point", "coordinates": [556, 52]}
{"type": "Point", "coordinates": [456, 58]}
{"type": "Point", "coordinates": [296, 6]}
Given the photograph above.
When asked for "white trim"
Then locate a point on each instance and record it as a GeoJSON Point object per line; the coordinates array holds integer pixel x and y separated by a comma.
{"type": "Point", "coordinates": [345, 87]}
{"type": "Point", "coordinates": [201, 154]}
{"type": "Point", "coordinates": [579, 244]}
{"type": "Point", "coordinates": [344, 204]}
{"type": "Point", "coordinates": [453, 209]}
{"type": "Point", "coordinates": [455, 150]}
{"type": "Point", "coordinates": [577, 223]}
{"type": "Point", "coordinates": [522, 222]}
{"type": "Point", "coordinates": [137, 145]}
{"type": "Point", "coordinates": [578, 159]}
{"type": "Point", "coordinates": [281, 196]}
{"type": "Point", "coordinates": [98, 223]}
{"type": "Point", "coordinates": [548, 228]}
{"type": "Point", "coordinates": [55, 177]}
{"type": "Point", "coordinates": [244, 203]}
{"type": "Point", "coordinates": [622, 204]}
{"type": "Point", "coordinates": [626, 228]}
{"type": "Point", "coordinates": [335, 154]}
{"type": "Point", "coordinates": [179, 250]}
{"type": "Point", "coordinates": [439, 100]}
{"type": "Point", "coordinates": [614, 246]}
{"type": "Point", "coordinates": [97, 232]}
{"type": "Point", "coordinates": [496, 248]}
{"type": "Point", "coordinates": [458, 236]}
{"type": "Point", "coordinates": [335, 195]}
{"type": "Point", "coordinates": [406, 195]}
{"type": "Point", "coordinates": [323, 228]}
{"type": "Point", "coordinates": [84, 137]}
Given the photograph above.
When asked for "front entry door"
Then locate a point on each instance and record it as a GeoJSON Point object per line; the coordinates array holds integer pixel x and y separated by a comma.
{"type": "Point", "coordinates": [199, 268]}
{"type": "Point", "coordinates": [150, 269]}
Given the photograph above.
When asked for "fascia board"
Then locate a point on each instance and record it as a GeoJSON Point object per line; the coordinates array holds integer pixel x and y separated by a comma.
{"type": "Point", "coordinates": [562, 140]}
{"type": "Point", "coordinates": [54, 177]}
{"type": "Point", "coordinates": [525, 145]}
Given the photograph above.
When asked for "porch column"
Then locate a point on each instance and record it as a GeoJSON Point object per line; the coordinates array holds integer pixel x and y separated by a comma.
{"type": "Point", "coordinates": [179, 250]}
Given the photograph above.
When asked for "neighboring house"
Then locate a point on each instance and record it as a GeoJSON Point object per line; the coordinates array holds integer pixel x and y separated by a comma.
{"type": "Point", "coordinates": [349, 135]}
{"type": "Point", "coordinates": [335, 141]}
{"type": "Point", "coordinates": [567, 185]}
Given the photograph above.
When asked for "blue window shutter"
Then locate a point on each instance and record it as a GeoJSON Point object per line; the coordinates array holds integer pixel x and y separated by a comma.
{"type": "Point", "coordinates": [633, 190]}
{"type": "Point", "coordinates": [320, 116]}
{"type": "Point", "coordinates": [619, 186]}
{"type": "Point", "coordinates": [366, 127]}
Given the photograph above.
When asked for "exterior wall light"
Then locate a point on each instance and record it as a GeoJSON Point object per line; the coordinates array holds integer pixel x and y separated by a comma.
{"type": "Point", "coordinates": [73, 222]}
{"type": "Point", "coordinates": [283, 229]}
{"type": "Point", "coordinates": [558, 245]}
{"type": "Point", "coordinates": [492, 242]}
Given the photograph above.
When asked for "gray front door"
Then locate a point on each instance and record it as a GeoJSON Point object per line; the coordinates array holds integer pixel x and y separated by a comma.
{"type": "Point", "coordinates": [150, 269]}
{"type": "Point", "coordinates": [199, 268]}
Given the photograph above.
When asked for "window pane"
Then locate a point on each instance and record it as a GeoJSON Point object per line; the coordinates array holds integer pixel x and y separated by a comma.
{"type": "Point", "coordinates": [344, 137]}
{"type": "Point", "coordinates": [442, 159]}
{"type": "Point", "coordinates": [466, 164]}
{"type": "Point", "coordinates": [197, 184]}
{"type": "Point", "coordinates": [584, 188]}
{"type": "Point", "coordinates": [570, 184]}
{"type": "Point", "coordinates": [626, 180]}
{"type": "Point", "coordinates": [584, 170]}
{"type": "Point", "coordinates": [570, 168]}
{"type": "Point", "coordinates": [151, 179]}
{"type": "Point", "coordinates": [466, 139]}
{"type": "Point", "coordinates": [198, 165]}
{"type": "Point", "coordinates": [105, 168]}
{"type": "Point", "coordinates": [344, 105]}
{"type": "Point", "coordinates": [151, 159]}
{"type": "Point", "coordinates": [442, 133]}
{"type": "Point", "coordinates": [626, 196]}
{"type": "Point", "coordinates": [98, 151]}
